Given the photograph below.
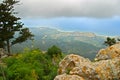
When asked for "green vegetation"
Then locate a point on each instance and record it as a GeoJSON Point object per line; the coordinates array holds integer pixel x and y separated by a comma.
{"type": "Point", "coordinates": [54, 51]}
{"type": "Point", "coordinates": [29, 65]}
{"type": "Point", "coordinates": [46, 37]}
{"type": "Point", "coordinates": [10, 26]}
{"type": "Point", "coordinates": [109, 41]}
{"type": "Point", "coordinates": [35, 64]}
{"type": "Point", "coordinates": [118, 39]}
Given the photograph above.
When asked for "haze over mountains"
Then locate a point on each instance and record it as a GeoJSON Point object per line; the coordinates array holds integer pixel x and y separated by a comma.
{"type": "Point", "coordinates": [83, 43]}
{"type": "Point", "coordinates": [73, 15]}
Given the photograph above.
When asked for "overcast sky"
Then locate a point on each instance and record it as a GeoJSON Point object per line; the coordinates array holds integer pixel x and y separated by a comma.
{"type": "Point", "coordinates": [70, 8]}
{"type": "Point", "coordinates": [99, 16]}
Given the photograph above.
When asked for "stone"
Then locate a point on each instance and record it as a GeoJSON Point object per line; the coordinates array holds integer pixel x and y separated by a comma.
{"type": "Point", "coordinates": [109, 53]}
{"type": "Point", "coordinates": [106, 66]}
{"type": "Point", "coordinates": [68, 77]}
{"type": "Point", "coordinates": [70, 62]}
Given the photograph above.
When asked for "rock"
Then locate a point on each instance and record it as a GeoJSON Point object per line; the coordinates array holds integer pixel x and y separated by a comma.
{"type": "Point", "coordinates": [109, 53]}
{"type": "Point", "coordinates": [68, 77]}
{"type": "Point", "coordinates": [107, 66]}
{"type": "Point", "coordinates": [108, 69]}
{"type": "Point", "coordinates": [70, 62]}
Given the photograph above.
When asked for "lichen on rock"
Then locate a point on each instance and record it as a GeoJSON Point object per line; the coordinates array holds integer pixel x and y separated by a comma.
{"type": "Point", "coordinates": [107, 66]}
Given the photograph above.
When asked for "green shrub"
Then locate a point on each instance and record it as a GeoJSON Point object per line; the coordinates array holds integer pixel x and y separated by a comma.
{"type": "Point", "coordinates": [30, 65]}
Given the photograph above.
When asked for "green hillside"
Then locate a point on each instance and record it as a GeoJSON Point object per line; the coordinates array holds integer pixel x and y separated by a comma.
{"type": "Point", "coordinates": [85, 44]}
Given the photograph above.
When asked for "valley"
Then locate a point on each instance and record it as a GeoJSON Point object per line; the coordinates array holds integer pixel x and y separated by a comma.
{"type": "Point", "coordinates": [83, 43]}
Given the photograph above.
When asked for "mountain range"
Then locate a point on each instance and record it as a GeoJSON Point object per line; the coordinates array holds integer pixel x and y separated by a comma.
{"type": "Point", "coordinates": [86, 44]}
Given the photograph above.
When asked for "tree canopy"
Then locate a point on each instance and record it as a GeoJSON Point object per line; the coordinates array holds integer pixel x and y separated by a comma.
{"type": "Point", "coordinates": [54, 51]}
{"type": "Point", "coordinates": [109, 41]}
{"type": "Point", "coordinates": [10, 25]}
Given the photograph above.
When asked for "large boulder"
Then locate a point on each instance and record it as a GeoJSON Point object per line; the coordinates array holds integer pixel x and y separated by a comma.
{"type": "Point", "coordinates": [109, 53]}
{"type": "Point", "coordinates": [107, 66]}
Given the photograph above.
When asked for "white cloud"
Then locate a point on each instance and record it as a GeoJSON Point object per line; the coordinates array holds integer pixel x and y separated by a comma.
{"type": "Point", "coordinates": [69, 8]}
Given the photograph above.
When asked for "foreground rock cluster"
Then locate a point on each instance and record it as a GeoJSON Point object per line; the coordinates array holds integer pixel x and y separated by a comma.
{"type": "Point", "coordinates": [105, 67]}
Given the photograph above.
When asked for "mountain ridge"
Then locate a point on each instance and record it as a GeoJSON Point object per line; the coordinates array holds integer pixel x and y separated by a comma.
{"type": "Point", "coordinates": [85, 44]}
{"type": "Point", "coordinates": [57, 33]}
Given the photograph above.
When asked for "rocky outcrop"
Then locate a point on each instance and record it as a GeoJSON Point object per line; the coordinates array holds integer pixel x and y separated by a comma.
{"type": "Point", "coordinates": [106, 66]}
{"type": "Point", "coordinates": [109, 53]}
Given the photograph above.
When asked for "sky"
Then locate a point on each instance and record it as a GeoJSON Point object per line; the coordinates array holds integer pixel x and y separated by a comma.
{"type": "Point", "coordinates": [98, 16]}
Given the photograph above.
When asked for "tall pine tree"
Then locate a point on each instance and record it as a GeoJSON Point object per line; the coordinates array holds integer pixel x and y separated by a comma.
{"type": "Point", "coordinates": [10, 25]}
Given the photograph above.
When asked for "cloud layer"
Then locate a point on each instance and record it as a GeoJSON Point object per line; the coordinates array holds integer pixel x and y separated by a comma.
{"type": "Point", "coordinates": [69, 8]}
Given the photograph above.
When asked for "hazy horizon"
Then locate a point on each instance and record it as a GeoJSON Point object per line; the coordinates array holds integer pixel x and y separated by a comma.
{"type": "Point", "coordinates": [97, 16]}
{"type": "Point", "coordinates": [100, 27]}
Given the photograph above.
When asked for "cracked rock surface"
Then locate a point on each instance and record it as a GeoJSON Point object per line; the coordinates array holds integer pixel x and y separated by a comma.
{"type": "Point", "coordinates": [105, 67]}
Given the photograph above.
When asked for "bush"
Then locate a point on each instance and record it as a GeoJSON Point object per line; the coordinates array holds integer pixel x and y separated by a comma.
{"type": "Point", "coordinates": [54, 51]}
{"type": "Point", "coordinates": [30, 65]}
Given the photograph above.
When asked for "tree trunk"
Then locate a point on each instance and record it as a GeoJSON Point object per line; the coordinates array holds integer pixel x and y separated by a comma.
{"type": "Point", "coordinates": [2, 44]}
{"type": "Point", "coordinates": [8, 47]}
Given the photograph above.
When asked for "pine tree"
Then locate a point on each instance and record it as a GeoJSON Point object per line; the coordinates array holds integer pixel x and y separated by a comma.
{"type": "Point", "coordinates": [10, 25]}
{"type": "Point", "coordinates": [118, 39]}
{"type": "Point", "coordinates": [110, 41]}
